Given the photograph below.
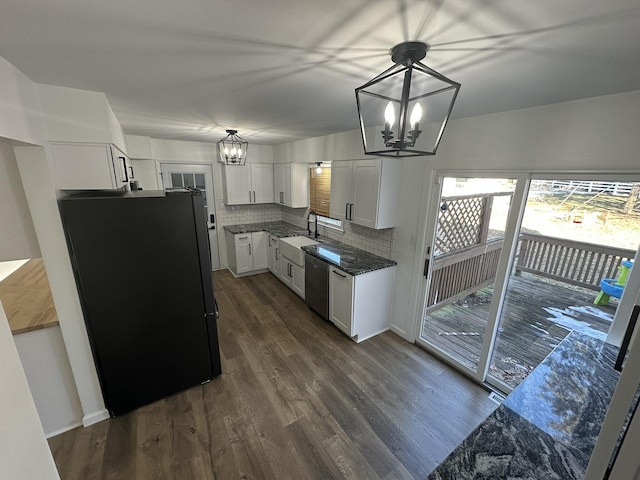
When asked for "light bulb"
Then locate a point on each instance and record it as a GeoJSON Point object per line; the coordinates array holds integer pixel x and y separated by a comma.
{"type": "Point", "coordinates": [318, 169]}
{"type": "Point", "coordinates": [416, 115]}
{"type": "Point", "coordinates": [226, 151]}
{"type": "Point", "coordinates": [233, 151]}
{"type": "Point", "coordinates": [389, 114]}
{"type": "Point", "coordinates": [239, 153]}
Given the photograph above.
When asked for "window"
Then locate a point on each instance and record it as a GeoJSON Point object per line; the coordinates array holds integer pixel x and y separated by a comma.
{"type": "Point", "coordinates": [320, 197]}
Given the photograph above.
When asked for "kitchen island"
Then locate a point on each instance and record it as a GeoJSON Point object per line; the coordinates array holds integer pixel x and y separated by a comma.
{"type": "Point", "coordinates": [548, 426]}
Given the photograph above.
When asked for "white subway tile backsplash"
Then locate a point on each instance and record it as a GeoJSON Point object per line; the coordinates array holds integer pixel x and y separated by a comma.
{"type": "Point", "coordinates": [378, 242]}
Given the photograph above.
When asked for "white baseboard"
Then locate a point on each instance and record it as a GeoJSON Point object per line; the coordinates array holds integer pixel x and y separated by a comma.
{"type": "Point", "coordinates": [64, 429]}
{"type": "Point", "coordinates": [95, 417]}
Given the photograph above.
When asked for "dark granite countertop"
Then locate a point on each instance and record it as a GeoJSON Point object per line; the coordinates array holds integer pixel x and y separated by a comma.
{"type": "Point", "coordinates": [350, 259]}
{"type": "Point", "coordinates": [548, 426]}
{"type": "Point", "coordinates": [279, 229]}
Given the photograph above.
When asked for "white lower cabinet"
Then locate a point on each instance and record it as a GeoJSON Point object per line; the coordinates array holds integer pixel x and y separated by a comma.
{"type": "Point", "coordinates": [292, 275]}
{"type": "Point", "coordinates": [360, 305]}
{"type": "Point", "coordinates": [247, 252]}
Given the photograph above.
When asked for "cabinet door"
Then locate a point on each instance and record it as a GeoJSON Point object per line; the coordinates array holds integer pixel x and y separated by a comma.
{"type": "Point", "coordinates": [285, 271]}
{"type": "Point", "coordinates": [84, 167]}
{"type": "Point", "coordinates": [259, 250]}
{"type": "Point", "coordinates": [262, 182]}
{"type": "Point", "coordinates": [366, 188]}
{"type": "Point", "coordinates": [297, 282]}
{"type": "Point", "coordinates": [341, 300]}
{"type": "Point", "coordinates": [244, 257]}
{"type": "Point", "coordinates": [273, 260]}
{"type": "Point", "coordinates": [121, 165]}
{"type": "Point", "coordinates": [271, 255]}
{"type": "Point", "coordinates": [236, 184]}
{"type": "Point", "coordinates": [298, 186]}
{"type": "Point", "coordinates": [341, 175]}
{"type": "Point", "coordinates": [279, 182]}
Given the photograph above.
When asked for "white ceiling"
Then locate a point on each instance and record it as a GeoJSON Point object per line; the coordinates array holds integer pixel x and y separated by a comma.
{"type": "Point", "coordinates": [281, 70]}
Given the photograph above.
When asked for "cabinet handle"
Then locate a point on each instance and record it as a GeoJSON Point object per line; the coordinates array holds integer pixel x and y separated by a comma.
{"type": "Point", "coordinates": [339, 274]}
{"type": "Point", "coordinates": [242, 238]}
{"type": "Point", "coordinates": [269, 241]}
{"type": "Point", "coordinates": [124, 167]}
{"type": "Point", "coordinates": [346, 211]}
{"type": "Point", "coordinates": [249, 196]}
{"type": "Point", "coordinates": [351, 211]}
{"type": "Point", "coordinates": [289, 268]}
{"type": "Point", "coordinates": [249, 249]}
{"type": "Point", "coordinates": [277, 257]}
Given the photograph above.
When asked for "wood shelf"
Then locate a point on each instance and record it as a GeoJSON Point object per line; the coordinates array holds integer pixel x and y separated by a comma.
{"type": "Point", "coordinates": [26, 298]}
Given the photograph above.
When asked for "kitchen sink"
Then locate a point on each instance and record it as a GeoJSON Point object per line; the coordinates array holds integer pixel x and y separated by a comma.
{"type": "Point", "coordinates": [291, 247]}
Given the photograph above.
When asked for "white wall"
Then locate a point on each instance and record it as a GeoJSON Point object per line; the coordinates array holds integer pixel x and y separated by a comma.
{"type": "Point", "coordinates": [37, 176]}
{"type": "Point", "coordinates": [72, 115]}
{"type": "Point", "coordinates": [21, 122]}
{"type": "Point", "coordinates": [24, 452]}
{"type": "Point", "coordinates": [46, 366]}
{"type": "Point", "coordinates": [18, 238]}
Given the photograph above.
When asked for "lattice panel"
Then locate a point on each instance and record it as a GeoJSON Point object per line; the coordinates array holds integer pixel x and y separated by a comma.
{"type": "Point", "coordinates": [459, 224]}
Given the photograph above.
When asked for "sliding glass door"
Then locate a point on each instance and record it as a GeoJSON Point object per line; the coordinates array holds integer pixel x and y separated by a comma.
{"type": "Point", "coordinates": [516, 264]}
{"type": "Point", "coordinates": [464, 256]}
{"type": "Point", "coordinates": [575, 249]}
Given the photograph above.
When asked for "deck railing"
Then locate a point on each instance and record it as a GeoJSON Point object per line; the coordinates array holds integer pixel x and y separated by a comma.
{"type": "Point", "coordinates": [458, 274]}
{"type": "Point", "coordinates": [577, 263]}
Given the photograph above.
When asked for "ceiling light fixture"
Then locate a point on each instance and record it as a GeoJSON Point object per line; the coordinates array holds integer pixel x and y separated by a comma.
{"type": "Point", "coordinates": [318, 168]}
{"type": "Point", "coordinates": [233, 149]}
{"type": "Point", "coordinates": [406, 97]}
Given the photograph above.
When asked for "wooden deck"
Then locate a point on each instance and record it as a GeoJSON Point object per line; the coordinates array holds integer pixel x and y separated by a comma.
{"type": "Point", "coordinates": [537, 315]}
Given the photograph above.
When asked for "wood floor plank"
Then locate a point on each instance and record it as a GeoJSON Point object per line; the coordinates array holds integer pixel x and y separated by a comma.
{"type": "Point", "coordinates": [296, 400]}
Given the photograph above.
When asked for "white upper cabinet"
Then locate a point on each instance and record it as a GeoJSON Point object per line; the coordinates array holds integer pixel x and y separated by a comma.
{"type": "Point", "coordinates": [247, 184]}
{"type": "Point", "coordinates": [291, 181]}
{"type": "Point", "coordinates": [365, 191]}
{"type": "Point", "coordinates": [91, 166]}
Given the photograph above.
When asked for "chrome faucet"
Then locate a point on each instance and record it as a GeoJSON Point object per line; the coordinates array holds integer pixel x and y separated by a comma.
{"type": "Point", "coordinates": [315, 221]}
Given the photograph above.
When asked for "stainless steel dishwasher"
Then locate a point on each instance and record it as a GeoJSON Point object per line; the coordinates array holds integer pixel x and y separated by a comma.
{"type": "Point", "coordinates": [316, 285]}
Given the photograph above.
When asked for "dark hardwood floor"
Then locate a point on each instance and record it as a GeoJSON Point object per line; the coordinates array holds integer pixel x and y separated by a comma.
{"type": "Point", "coordinates": [296, 400]}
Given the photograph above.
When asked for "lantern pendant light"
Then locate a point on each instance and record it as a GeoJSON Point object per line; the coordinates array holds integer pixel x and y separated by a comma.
{"type": "Point", "coordinates": [393, 106]}
{"type": "Point", "coordinates": [233, 149]}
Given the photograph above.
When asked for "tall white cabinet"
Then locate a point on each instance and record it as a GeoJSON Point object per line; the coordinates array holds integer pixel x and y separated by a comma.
{"type": "Point", "coordinates": [291, 184]}
{"type": "Point", "coordinates": [247, 184]}
{"type": "Point", "coordinates": [365, 191]}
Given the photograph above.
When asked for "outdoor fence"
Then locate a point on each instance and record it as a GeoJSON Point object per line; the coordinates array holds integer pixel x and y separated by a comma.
{"type": "Point", "coordinates": [577, 263]}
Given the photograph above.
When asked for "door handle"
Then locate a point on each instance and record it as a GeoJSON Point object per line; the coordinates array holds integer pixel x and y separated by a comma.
{"type": "Point", "coordinates": [339, 274]}
{"type": "Point", "coordinates": [426, 267]}
{"type": "Point", "coordinates": [212, 218]}
{"type": "Point", "coordinates": [131, 169]}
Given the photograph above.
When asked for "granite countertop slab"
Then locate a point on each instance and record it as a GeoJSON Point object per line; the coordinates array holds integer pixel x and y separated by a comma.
{"type": "Point", "coordinates": [548, 426]}
{"type": "Point", "coordinates": [350, 259]}
{"type": "Point", "coordinates": [279, 229]}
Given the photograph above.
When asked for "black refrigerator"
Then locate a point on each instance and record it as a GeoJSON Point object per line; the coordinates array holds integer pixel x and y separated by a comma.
{"type": "Point", "coordinates": [143, 271]}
